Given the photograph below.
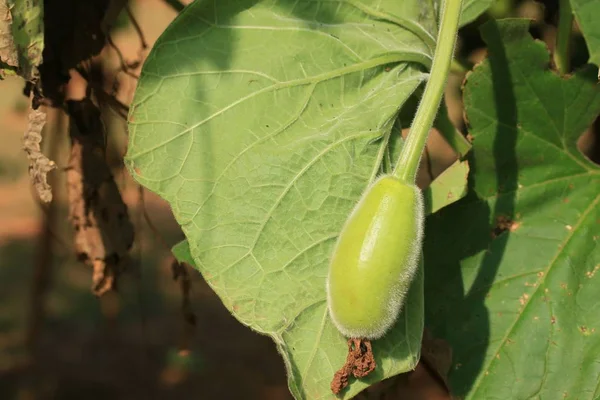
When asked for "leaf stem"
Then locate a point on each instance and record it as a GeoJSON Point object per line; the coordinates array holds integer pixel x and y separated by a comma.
{"type": "Point", "coordinates": [410, 156]}
{"type": "Point", "coordinates": [562, 51]}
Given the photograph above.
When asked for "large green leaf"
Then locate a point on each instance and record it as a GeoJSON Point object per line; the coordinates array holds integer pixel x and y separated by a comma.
{"type": "Point", "coordinates": [446, 189]}
{"type": "Point", "coordinates": [511, 270]}
{"type": "Point", "coordinates": [261, 123]}
{"type": "Point", "coordinates": [587, 13]}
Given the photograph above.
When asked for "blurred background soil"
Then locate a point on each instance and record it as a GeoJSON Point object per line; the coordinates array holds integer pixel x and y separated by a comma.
{"type": "Point", "coordinates": [134, 344]}
{"type": "Point", "coordinates": [58, 341]}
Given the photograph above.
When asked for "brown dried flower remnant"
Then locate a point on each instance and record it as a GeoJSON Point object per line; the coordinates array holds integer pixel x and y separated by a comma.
{"type": "Point", "coordinates": [360, 362]}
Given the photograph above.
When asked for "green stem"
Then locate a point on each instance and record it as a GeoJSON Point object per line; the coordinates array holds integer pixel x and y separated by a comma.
{"type": "Point", "coordinates": [410, 156]}
{"type": "Point", "coordinates": [562, 54]}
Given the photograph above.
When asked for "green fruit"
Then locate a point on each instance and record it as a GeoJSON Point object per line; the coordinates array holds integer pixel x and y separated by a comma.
{"type": "Point", "coordinates": [375, 259]}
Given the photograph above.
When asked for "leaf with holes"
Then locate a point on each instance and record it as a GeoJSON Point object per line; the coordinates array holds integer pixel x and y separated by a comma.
{"type": "Point", "coordinates": [512, 271]}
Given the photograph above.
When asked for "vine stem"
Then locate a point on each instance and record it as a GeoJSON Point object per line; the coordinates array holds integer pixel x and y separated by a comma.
{"type": "Point", "coordinates": [410, 156]}
{"type": "Point", "coordinates": [563, 37]}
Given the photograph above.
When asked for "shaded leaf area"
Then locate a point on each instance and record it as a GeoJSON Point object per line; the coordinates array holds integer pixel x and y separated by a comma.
{"type": "Point", "coordinates": [586, 14]}
{"type": "Point", "coordinates": [261, 123]}
{"type": "Point", "coordinates": [511, 270]}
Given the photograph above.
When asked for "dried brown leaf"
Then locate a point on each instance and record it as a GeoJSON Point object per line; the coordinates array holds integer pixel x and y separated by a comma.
{"type": "Point", "coordinates": [8, 50]}
{"type": "Point", "coordinates": [39, 164]}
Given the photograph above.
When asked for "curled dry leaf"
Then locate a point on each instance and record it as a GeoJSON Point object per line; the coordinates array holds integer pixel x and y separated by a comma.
{"type": "Point", "coordinates": [39, 164]}
{"type": "Point", "coordinates": [103, 231]}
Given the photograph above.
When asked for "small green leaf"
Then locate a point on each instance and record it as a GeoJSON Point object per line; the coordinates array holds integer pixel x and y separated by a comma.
{"type": "Point", "coordinates": [586, 14]}
{"type": "Point", "coordinates": [182, 253]}
{"type": "Point", "coordinates": [449, 187]}
{"type": "Point", "coordinates": [513, 270]}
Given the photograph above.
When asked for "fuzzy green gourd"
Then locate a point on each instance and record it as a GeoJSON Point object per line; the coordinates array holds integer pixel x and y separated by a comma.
{"type": "Point", "coordinates": [378, 250]}
{"type": "Point", "coordinates": [375, 259]}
